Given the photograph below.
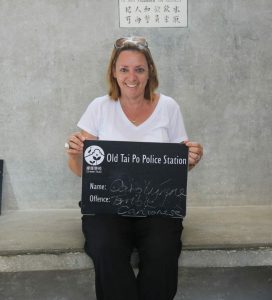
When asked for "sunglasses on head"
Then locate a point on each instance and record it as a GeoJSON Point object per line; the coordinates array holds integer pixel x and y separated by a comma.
{"type": "Point", "coordinates": [139, 42]}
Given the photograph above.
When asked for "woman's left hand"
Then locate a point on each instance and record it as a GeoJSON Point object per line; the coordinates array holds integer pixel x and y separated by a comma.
{"type": "Point", "coordinates": [195, 153]}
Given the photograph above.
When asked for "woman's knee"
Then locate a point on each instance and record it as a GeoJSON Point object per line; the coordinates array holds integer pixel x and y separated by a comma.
{"type": "Point", "coordinates": [163, 252]}
{"type": "Point", "coordinates": [106, 248]}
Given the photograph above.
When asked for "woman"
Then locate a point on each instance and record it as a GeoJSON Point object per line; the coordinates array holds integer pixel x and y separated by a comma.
{"type": "Point", "coordinates": [132, 111]}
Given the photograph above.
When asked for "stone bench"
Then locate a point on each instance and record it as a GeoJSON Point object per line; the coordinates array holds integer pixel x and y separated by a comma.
{"type": "Point", "coordinates": [213, 236]}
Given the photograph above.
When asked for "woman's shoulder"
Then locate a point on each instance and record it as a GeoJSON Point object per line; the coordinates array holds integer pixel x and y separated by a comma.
{"type": "Point", "coordinates": [168, 101]}
{"type": "Point", "coordinates": [102, 101]}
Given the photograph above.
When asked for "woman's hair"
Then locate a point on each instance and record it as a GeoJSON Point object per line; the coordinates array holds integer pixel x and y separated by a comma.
{"type": "Point", "coordinates": [132, 44]}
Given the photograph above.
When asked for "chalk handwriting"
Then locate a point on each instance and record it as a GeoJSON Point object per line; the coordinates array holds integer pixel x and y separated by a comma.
{"type": "Point", "coordinates": [148, 198]}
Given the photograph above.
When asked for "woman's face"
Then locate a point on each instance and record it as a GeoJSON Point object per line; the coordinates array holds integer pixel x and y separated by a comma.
{"type": "Point", "coordinates": [131, 73]}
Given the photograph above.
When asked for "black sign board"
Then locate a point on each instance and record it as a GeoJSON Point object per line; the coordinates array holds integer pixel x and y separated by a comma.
{"type": "Point", "coordinates": [134, 179]}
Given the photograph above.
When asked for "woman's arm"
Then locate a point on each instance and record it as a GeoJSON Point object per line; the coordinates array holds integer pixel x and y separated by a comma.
{"type": "Point", "coordinates": [76, 150]}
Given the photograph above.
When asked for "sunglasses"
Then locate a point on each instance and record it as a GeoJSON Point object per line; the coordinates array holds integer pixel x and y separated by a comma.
{"type": "Point", "coordinates": [138, 41]}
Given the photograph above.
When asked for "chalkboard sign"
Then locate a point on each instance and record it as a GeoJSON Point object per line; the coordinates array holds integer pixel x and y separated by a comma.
{"type": "Point", "coordinates": [134, 179]}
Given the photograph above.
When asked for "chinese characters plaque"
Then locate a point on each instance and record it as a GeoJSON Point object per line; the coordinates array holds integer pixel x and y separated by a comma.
{"type": "Point", "coordinates": [153, 13]}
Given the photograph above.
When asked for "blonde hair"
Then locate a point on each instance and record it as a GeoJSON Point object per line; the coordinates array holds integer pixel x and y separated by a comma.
{"type": "Point", "coordinates": [152, 83]}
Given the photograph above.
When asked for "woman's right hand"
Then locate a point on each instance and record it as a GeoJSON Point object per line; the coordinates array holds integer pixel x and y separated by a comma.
{"type": "Point", "coordinates": [75, 150]}
{"type": "Point", "coordinates": [75, 143]}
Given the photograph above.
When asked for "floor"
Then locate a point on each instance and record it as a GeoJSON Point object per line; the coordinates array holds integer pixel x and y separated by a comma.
{"type": "Point", "coordinates": [248, 283]}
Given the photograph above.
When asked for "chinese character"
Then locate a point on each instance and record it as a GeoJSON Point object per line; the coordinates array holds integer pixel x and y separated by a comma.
{"type": "Point", "coordinates": [157, 18]}
{"type": "Point", "coordinates": [176, 19]}
{"type": "Point", "coordinates": [166, 19]}
{"type": "Point", "coordinates": [146, 9]}
{"type": "Point", "coordinates": [147, 18]}
{"type": "Point", "coordinates": [157, 9]}
{"type": "Point", "coordinates": [128, 9]}
{"type": "Point", "coordinates": [166, 8]}
{"type": "Point", "coordinates": [138, 9]}
{"type": "Point", "coordinates": [176, 9]}
{"type": "Point", "coordinates": [128, 18]}
{"type": "Point", "coordinates": [138, 20]}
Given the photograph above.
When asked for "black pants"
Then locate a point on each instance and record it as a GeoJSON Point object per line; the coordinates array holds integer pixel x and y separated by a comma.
{"type": "Point", "coordinates": [110, 240]}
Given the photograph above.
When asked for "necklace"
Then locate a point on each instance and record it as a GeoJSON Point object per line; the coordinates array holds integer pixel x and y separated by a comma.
{"type": "Point", "coordinates": [132, 120]}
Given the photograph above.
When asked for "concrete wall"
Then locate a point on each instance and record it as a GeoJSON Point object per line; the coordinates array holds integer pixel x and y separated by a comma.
{"type": "Point", "coordinates": [53, 57]}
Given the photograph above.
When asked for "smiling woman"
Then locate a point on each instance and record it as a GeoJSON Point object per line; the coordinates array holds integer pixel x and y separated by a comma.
{"type": "Point", "coordinates": [132, 111]}
{"type": "Point", "coordinates": [131, 74]}
{"type": "Point", "coordinates": [137, 45]}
